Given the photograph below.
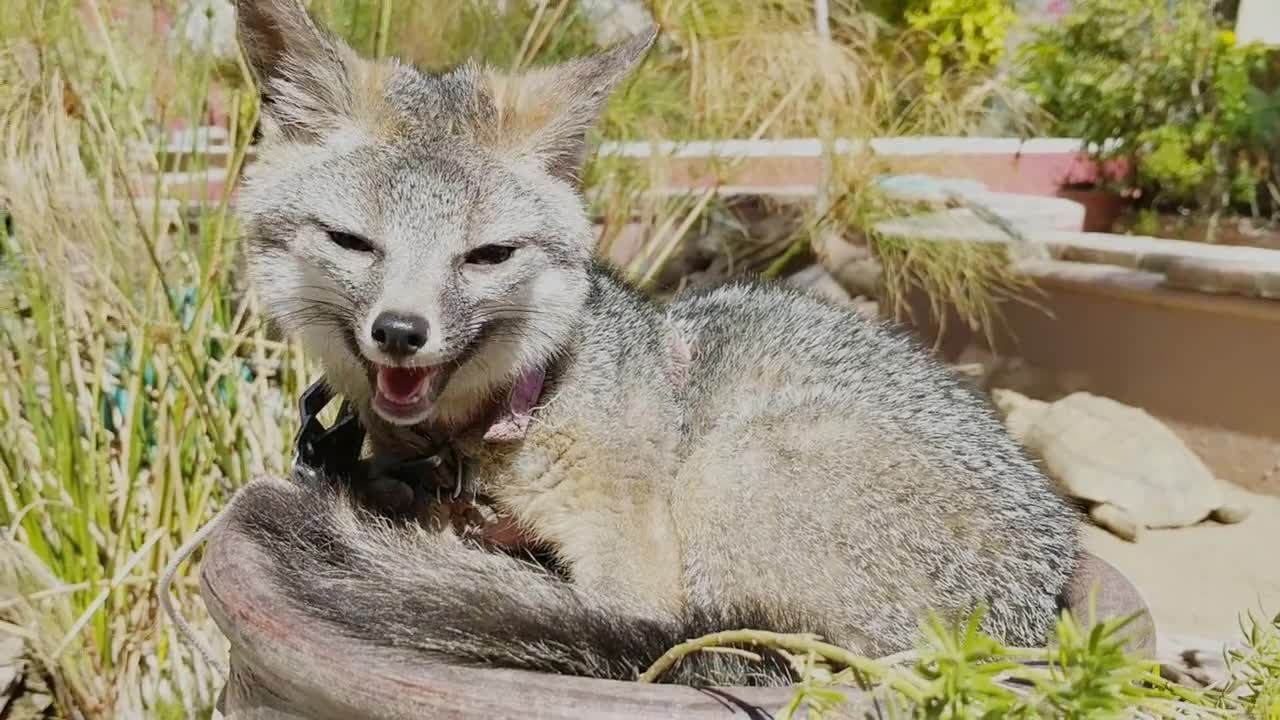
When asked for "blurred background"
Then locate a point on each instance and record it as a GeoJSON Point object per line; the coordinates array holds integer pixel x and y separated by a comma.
{"type": "Point", "coordinates": [1054, 194]}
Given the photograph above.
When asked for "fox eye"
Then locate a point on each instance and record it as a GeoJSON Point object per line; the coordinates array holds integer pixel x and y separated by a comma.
{"type": "Point", "coordinates": [489, 255]}
{"type": "Point", "coordinates": [347, 241]}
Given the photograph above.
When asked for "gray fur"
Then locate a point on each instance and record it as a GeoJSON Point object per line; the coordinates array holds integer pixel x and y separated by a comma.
{"type": "Point", "coordinates": [806, 470]}
{"type": "Point", "coordinates": [412, 591]}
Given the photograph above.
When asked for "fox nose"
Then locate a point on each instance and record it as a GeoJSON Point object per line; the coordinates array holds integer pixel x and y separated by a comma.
{"type": "Point", "coordinates": [399, 335]}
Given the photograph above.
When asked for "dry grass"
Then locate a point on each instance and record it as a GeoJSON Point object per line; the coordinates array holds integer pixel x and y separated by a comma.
{"type": "Point", "coordinates": [136, 388]}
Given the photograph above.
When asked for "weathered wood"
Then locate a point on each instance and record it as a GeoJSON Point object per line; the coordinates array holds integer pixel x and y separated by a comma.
{"type": "Point", "coordinates": [284, 665]}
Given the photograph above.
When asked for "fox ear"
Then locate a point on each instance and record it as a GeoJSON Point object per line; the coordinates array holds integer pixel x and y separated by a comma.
{"type": "Point", "coordinates": [308, 79]}
{"type": "Point", "coordinates": [544, 114]}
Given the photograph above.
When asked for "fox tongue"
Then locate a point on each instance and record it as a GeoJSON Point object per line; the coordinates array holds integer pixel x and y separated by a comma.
{"type": "Point", "coordinates": [402, 386]}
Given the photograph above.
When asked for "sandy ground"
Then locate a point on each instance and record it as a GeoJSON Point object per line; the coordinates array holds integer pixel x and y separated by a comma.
{"type": "Point", "coordinates": [1200, 580]}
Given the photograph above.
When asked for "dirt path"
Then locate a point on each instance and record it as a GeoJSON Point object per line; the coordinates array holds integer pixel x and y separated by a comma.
{"type": "Point", "coordinates": [1200, 580]}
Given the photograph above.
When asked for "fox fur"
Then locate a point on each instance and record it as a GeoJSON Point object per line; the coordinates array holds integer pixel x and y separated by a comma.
{"type": "Point", "coordinates": [790, 466]}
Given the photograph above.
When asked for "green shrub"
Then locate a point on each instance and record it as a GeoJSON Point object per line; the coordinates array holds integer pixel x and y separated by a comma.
{"type": "Point", "coordinates": [1165, 87]}
{"type": "Point", "coordinates": [964, 34]}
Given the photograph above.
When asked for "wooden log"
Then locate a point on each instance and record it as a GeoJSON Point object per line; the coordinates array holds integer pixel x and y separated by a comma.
{"type": "Point", "coordinates": [285, 665]}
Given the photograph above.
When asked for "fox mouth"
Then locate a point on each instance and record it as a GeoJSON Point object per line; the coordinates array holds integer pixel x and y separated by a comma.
{"type": "Point", "coordinates": [406, 395]}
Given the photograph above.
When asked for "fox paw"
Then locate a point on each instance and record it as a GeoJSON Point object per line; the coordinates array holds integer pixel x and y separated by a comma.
{"type": "Point", "coordinates": [386, 495]}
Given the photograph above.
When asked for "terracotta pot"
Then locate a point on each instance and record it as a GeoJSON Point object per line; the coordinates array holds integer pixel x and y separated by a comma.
{"type": "Point", "coordinates": [1101, 207]}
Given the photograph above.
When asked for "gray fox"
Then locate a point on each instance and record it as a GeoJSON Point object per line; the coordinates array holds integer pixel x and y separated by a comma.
{"type": "Point", "coordinates": [742, 456]}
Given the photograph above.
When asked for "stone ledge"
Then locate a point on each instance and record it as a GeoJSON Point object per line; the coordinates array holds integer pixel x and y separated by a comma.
{"type": "Point", "coordinates": [1092, 274]}
{"type": "Point", "coordinates": [1214, 269]}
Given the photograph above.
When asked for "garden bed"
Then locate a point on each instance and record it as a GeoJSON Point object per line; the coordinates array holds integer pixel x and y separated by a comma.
{"type": "Point", "coordinates": [1207, 363]}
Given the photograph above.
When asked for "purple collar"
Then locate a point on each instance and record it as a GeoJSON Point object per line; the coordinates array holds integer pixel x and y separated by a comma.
{"type": "Point", "coordinates": [513, 421]}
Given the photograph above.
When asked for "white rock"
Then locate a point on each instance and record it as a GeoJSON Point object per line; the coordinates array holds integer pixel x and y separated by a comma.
{"type": "Point", "coordinates": [817, 279]}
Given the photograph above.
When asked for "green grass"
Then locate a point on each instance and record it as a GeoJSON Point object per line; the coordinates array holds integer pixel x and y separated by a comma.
{"type": "Point", "coordinates": [138, 386]}
{"type": "Point", "coordinates": [1086, 672]}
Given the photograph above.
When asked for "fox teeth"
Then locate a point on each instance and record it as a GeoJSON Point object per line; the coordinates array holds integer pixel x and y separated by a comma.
{"type": "Point", "coordinates": [403, 386]}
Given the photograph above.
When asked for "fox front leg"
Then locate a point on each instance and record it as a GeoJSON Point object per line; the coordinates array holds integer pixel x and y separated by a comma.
{"type": "Point", "coordinates": [398, 488]}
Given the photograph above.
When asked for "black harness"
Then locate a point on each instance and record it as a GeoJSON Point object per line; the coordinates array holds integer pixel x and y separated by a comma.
{"type": "Point", "coordinates": [336, 451]}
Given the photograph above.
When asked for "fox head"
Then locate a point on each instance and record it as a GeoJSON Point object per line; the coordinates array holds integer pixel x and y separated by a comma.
{"type": "Point", "coordinates": [424, 235]}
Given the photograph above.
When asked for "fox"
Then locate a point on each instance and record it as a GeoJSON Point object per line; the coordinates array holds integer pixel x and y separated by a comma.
{"type": "Point", "coordinates": [748, 455]}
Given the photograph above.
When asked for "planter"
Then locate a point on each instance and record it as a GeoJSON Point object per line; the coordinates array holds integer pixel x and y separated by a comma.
{"type": "Point", "coordinates": [1102, 208]}
{"type": "Point", "coordinates": [285, 664]}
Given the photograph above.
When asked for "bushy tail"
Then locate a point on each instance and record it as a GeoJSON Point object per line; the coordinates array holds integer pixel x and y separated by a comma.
{"type": "Point", "coordinates": [402, 588]}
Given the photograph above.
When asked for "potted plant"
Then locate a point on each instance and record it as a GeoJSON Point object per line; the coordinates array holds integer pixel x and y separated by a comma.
{"type": "Point", "coordinates": [1162, 94]}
